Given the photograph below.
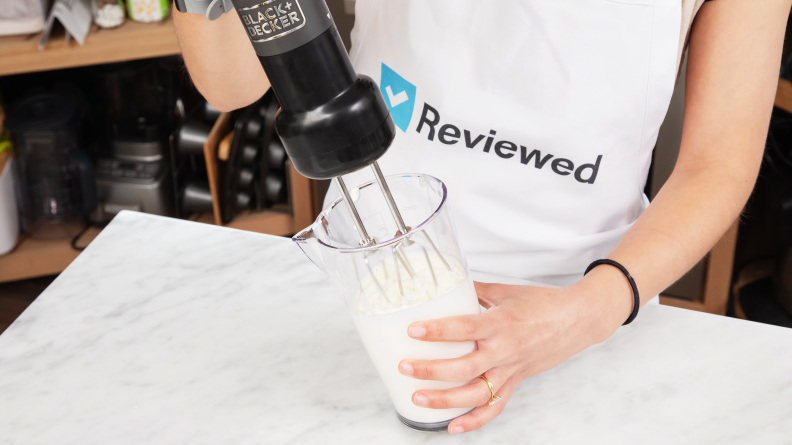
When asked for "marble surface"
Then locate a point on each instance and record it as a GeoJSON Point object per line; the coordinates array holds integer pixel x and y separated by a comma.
{"type": "Point", "coordinates": [172, 332]}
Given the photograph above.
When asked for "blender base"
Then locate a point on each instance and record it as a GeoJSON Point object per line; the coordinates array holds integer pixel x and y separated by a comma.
{"type": "Point", "coordinates": [431, 426]}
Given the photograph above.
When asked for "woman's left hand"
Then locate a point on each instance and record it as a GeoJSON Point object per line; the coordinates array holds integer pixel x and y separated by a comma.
{"type": "Point", "coordinates": [525, 330]}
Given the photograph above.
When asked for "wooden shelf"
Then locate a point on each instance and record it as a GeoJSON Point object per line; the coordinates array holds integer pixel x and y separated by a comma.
{"type": "Point", "coordinates": [36, 258]}
{"type": "Point", "coordinates": [273, 223]}
{"type": "Point", "coordinates": [130, 41]}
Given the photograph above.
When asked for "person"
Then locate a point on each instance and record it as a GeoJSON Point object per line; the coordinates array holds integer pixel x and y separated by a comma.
{"type": "Point", "coordinates": [541, 117]}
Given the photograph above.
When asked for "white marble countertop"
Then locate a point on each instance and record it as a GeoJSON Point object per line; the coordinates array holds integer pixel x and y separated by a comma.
{"type": "Point", "coordinates": [172, 332]}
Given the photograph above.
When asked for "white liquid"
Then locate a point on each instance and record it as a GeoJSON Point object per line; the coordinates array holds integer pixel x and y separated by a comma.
{"type": "Point", "coordinates": [384, 333]}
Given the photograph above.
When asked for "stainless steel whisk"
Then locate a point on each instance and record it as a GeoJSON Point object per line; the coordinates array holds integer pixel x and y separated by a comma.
{"type": "Point", "coordinates": [398, 249]}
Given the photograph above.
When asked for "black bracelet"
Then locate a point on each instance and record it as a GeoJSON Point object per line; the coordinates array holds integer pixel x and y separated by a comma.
{"type": "Point", "coordinates": [636, 299]}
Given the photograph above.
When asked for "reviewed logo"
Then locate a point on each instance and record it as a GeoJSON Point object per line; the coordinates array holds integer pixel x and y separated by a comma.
{"type": "Point", "coordinates": [399, 96]}
{"type": "Point", "coordinates": [272, 19]}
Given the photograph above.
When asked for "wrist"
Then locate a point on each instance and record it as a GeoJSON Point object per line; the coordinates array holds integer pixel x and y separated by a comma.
{"type": "Point", "coordinates": [608, 298]}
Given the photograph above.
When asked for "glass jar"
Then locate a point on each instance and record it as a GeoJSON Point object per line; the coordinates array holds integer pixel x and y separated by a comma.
{"type": "Point", "coordinates": [108, 13]}
{"type": "Point", "coordinates": [56, 188]}
{"type": "Point", "coordinates": [148, 10]}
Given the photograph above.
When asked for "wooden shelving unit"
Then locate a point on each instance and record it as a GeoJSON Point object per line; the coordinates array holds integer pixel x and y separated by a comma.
{"type": "Point", "coordinates": [20, 54]}
{"type": "Point", "coordinates": [130, 41]}
{"type": "Point", "coordinates": [35, 258]}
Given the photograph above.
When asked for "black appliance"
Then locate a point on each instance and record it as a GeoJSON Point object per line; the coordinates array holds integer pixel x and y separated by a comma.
{"type": "Point", "coordinates": [139, 100]}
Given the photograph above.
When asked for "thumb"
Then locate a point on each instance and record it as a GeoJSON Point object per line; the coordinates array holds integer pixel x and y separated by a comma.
{"type": "Point", "coordinates": [489, 294]}
{"type": "Point", "coordinates": [495, 294]}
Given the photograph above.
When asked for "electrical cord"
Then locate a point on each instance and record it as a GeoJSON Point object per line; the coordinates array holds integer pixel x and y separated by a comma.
{"type": "Point", "coordinates": [78, 236]}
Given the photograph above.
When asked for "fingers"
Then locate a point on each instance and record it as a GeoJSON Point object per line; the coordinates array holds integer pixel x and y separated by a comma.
{"type": "Point", "coordinates": [459, 328]}
{"type": "Point", "coordinates": [484, 414]}
{"type": "Point", "coordinates": [475, 393]}
{"type": "Point", "coordinates": [462, 369]}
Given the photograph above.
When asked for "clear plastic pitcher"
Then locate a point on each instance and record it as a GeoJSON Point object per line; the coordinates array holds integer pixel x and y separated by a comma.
{"type": "Point", "coordinates": [403, 278]}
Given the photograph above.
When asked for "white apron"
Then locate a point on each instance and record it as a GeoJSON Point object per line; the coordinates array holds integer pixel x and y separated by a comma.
{"type": "Point", "coordinates": [539, 115]}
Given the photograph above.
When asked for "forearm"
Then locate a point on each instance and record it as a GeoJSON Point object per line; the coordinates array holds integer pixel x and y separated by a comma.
{"type": "Point", "coordinates": [690, 214]}
{"type": "Point", "coordinates": [220, 59]}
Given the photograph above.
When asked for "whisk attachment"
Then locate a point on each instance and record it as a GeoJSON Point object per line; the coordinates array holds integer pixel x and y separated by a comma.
{"type": "Point", "coordinates": [431, 269]}
{"type": "Point", "coordinates": [388, 197]}
{"type": "Point", "coordinates": [405, 262]}
{"type": "Point", "coordinates": [398, 273]}
{"type": "Point", "coordinates": [365, 239]}
{"type": "Point", "coordinates": [439, 255]}
{"type": "Point", "coordinates": [374, 276]}
{"type": "Point", "coordinates": [398, 250]}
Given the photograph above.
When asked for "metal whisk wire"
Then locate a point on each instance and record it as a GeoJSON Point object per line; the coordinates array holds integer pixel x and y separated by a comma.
{"type": "Point", "coordinates": [399, 256]}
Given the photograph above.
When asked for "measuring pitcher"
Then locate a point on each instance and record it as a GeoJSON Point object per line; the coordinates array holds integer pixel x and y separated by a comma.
{"type": "Point", "coordinates": [400, 279]}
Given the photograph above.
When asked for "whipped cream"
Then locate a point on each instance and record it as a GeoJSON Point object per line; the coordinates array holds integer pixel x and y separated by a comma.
{"type": "Point", "coordinates": [381, 293]}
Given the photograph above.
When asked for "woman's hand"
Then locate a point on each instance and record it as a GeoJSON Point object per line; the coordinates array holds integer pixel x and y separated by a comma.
{"type": "Point", "coordinates": [526, 330]}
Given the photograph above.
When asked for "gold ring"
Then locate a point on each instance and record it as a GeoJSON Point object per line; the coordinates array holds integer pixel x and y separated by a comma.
{"type": "Point", "coordinates": [493, 398]}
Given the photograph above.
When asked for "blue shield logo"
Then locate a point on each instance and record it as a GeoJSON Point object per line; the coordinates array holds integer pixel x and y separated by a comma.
{"type": "Point", "coordinates": [399, 95]}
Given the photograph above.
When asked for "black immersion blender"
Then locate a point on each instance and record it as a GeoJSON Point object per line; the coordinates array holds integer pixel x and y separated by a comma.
{"type": "Point", "coordinates": [332, 121]}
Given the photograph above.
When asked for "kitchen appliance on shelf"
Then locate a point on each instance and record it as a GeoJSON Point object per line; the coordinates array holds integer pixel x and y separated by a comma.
{"type": "Point", "coordinates": [133, 172]}
{"type": "Point", "coordinates": [133, 184]}
{"type": "Point", "coordinates": [55, 180]}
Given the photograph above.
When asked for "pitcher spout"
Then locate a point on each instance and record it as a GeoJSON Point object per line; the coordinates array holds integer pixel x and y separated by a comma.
{"type": "Point", "coordinates": [310, 247]}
